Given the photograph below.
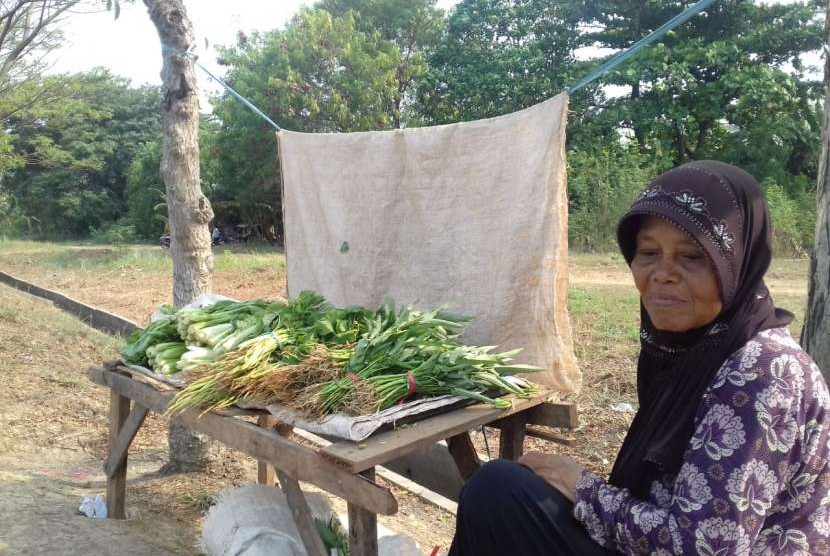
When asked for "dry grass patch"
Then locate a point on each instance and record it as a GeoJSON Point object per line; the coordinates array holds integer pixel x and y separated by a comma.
{"type": "Point", "coordinates": [603, 303]}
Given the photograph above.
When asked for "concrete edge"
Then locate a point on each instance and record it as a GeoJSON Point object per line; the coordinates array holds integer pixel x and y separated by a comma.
{"type": "Point", "coordinates": [113, 324]}
{"type": "Point", "coordinates": [92, 316]}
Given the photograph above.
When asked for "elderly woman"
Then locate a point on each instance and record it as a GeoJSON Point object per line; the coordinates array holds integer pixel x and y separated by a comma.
{"type": "Point", "coordinates": [728, 452]}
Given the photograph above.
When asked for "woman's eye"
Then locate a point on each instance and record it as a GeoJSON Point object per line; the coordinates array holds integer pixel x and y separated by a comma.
{"type": "Point", "coordinates": [693, 256]}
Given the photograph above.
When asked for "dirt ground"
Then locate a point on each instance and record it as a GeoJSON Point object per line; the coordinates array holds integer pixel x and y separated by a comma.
{"type": "Point", "coordinates": [51, 459]}
{"type": "Point", "coordinates": [72, 437]}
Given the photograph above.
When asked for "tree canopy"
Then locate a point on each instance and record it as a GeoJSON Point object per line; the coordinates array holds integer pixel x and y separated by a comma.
{"type": "Point", "coordinates": [731, 84]}
{"type": "Point", "coordinates": [72, 154]}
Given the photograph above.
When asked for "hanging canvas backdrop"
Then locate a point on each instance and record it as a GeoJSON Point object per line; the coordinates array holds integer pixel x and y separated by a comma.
{"type": "Point", "coordinates": [469, 216]}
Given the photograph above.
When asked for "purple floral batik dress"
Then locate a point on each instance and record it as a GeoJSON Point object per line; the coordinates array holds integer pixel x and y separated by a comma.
{"type": "Point", "coordinates": [754, 479]}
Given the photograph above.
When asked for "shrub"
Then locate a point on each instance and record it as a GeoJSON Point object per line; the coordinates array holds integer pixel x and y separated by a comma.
{"type": "Point", "coordinates": [117, 233]}
{"type": "Point", "coordinates": [602, 183]}
{"type": "Point", "coordinates": [793, 216]}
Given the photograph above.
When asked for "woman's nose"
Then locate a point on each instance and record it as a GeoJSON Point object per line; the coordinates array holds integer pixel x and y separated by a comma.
{"type": "Point", "coordinates": [666, 271]}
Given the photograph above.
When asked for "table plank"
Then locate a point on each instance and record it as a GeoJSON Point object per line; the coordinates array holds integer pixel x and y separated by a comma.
{"type": "Point", "coordinates": [384, 446]}
{"type": "Point", "coordinates": [126, 434]}
{"type": "Point", "coordinates": [300, 462]}
{"type": "Point", "coordinates": [117, 479]}
{"type": "Point", "coordinates": [554, 414]}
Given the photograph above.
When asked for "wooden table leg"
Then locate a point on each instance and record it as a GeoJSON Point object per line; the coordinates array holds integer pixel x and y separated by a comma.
{"type": "Point", "coordinates": [464, 453]}
{"type": "Point", "coordinates": [290, 486]}
{"type": "Point", "coordinates": [118, 449]}
{"type": "Point", "coordinates": [363, 527]}
{"type": "Point", "coordinates": [117, 482]}
{"type": "Point", "coordinates": [512, 437]}
{"type": "Point", "coordinates": [264, 470]}
{"type": "Point", "coordinates": [302, 515]}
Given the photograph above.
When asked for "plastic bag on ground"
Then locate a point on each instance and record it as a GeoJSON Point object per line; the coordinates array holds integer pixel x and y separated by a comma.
{"type": "Point", "coordinates": [255, 520]}
{"type": "Point", "coordinates": [93, 507]}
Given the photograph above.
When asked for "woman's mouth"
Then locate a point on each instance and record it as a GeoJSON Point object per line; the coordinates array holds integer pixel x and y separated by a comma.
{"type": "Point", "coordinates": [664, 301]}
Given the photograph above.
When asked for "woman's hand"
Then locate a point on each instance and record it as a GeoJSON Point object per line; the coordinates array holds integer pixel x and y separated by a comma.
{"type": "Point", "coordinates": [561, 472]}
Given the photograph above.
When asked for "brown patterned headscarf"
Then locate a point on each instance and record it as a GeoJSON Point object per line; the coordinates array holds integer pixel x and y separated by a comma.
{"type": "Point", "coordinates": [723, 209]}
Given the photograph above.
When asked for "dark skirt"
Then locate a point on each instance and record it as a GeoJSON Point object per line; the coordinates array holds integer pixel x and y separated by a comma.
{"type": "Point", "coordinates": [507, 509]}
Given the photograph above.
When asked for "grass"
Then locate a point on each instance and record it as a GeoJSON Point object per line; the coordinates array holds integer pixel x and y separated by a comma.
{"type": "Point", "coordinates": [8, 314]}
{"type": "Point", "coordinates": [52, 418]}
{"type": "Point", "coordinates": [605, 322]}
{"type": "Point", "coordinates": [143, 258]}
{"type": "Point", "coordinates": [25, 247]}
{"type": "Point", "coordinates": [612, 313]}
{"type": "Point", "coordinates": [603, 304]}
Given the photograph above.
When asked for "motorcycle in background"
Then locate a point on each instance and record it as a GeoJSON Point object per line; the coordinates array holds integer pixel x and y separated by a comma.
{"type": "Point", "coordinates": [164, 239]}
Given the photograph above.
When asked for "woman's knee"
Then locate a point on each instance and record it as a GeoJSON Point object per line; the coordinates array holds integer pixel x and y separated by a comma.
{"type": "Point", "coordinates": [493, 481]}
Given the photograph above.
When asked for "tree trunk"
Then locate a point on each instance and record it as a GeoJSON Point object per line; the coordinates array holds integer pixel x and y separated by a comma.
{"type": "Point", "coordinates": [815, 337]}
{"type": "Point", "coordinates": [188, 209]}
{"type": "Point", "coordinates": [679, 143]}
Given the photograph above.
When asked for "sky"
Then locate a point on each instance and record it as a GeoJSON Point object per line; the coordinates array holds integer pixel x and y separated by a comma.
{"type": "Point", "coordinates": [129, 46]}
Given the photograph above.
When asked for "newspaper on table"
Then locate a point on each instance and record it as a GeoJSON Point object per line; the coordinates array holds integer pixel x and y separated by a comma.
{"type": "Point", "coordinates": [339, 425]}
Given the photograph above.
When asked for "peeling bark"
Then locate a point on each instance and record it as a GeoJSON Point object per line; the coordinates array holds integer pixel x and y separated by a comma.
{"type": "Point", "coordinates": [815, 336]}
{"type": "Point", "coordinates": [188, 209]}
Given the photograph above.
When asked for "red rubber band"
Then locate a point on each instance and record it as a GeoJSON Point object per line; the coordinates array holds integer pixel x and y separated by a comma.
{"type": "Point", "coordinates": [354, 378]}
{"type": "Point", "coordinates": [413, 386]}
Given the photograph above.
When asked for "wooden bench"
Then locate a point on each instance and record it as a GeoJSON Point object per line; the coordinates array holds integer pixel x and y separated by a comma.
{"type": "Point", "coordinates": [343, 468]}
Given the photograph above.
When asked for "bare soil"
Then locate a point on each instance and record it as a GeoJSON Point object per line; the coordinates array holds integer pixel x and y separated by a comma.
{"type": "Point", "coordinates": [53, 438]}
{"type": "Point", "coordinates": [42, 358]}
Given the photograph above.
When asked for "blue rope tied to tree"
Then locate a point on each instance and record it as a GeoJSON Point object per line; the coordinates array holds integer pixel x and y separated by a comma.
{"type": "Point", "coordinates": [598, 72]}
{"type": "Point", "coordinates": [621, 57]}
{"type": "Point", "coordinates": [222, 82]}
{"type": "Point", "coordinates": [242, 99]}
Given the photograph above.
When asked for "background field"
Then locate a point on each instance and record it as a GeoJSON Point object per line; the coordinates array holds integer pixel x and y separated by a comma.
{"type": "Point", "coordinates": [45, 352]}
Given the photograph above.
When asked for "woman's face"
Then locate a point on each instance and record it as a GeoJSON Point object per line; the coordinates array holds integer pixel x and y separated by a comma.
{"type": "Point", "coordinates": [676, 280]}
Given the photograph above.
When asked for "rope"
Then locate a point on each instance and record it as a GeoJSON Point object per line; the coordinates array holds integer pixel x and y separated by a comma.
{"type": "Point", "coordinates": [242, 99]}
{"type": "Point", "coordinates": [598, 72]}
{"type": "Point", "coordinates": [221, 81]}
{"type": "Point", "coordinates": [486, 444]}
{"type": "Point", "coordinates": [621, 57]}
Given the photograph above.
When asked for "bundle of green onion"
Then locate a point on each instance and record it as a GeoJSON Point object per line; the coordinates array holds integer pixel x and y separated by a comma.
{"type": "Point", "coordinates": [357, 361]}
{"type": "Point", "coordinates": [320, 359]}
{"type": "Point", "coordinates": [412, 353]}
{"type": "Point", "coordinates": [157, 332]}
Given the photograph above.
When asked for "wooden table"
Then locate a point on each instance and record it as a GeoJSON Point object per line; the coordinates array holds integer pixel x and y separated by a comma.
{"type": "Point", "coordinates": [343, 468]}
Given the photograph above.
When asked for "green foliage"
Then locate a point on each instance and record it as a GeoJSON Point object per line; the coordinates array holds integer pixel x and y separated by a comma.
{"type": "Point", "coordinates": [793, 217]}
{"type": "Point", "coordinates": [498, 56]}
{"type": "Point", "coordinates": [12, 221]}
{"type": "Point", "coordinates": [77, 146]}
{"type": "Point", "coordinates": [146, 201]}
{"type": "Point", "coordinates": [335, 537]}
{"type": "Point", "coordinates": [320, 74]}
{"type": "Point", "coordinates": [602, 183]}
{"type": "Point", "coordinates": [80, 154]}
{"type": "Point", "coordinates": [715, 87]}
{"type": "Point", "coordinates": [414, 27]}
{"type": "Point", "coordinates": [117, 233]}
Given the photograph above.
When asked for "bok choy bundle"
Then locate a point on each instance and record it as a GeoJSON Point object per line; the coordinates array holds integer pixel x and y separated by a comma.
{"type": "Point", "coordinates": [320, 359]}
